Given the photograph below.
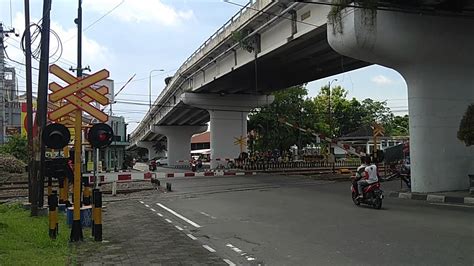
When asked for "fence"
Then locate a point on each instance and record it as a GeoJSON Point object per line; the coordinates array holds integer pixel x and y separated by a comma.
{"type": "Point", "coordinates": [266, 165]}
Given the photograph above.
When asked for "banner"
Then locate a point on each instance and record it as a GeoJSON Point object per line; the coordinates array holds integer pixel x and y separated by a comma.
{"type": "Point", "coordinates": [24, 129]}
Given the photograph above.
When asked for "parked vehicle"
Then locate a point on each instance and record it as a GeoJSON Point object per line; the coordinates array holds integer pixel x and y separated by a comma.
{"type": "Point", "coordinates": [162, 161]}
{"type": "Point", "coordinates": [373, 195]}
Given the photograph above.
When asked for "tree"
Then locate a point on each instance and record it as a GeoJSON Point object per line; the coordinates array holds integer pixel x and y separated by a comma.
{"type": "Point", "coordinates": [398, 126]}
{"type": "Point", "coordinates": [17, 146]}
{"type": "Point", "coordinates": [290, 104]}
{"type": "Point", "coordinates": [160, 146]}
{"type": "Point", "coordinates": [466, 127]}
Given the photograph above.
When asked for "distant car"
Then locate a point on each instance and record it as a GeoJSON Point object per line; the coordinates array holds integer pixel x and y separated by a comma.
{"type": "Point", "coordinates": [162, 161]}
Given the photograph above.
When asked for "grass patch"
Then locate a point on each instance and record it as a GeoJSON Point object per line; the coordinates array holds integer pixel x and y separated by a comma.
{"type": "Point", "coordinates": [24, 240]}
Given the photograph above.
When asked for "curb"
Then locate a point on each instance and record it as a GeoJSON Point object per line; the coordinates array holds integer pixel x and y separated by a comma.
{"type": "Point", "coordinates": [431, 197]}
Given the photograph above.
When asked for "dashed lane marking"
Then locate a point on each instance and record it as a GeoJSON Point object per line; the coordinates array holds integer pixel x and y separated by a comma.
{"type": "Point", "coordinates": [179, 215]}
{"type": "Point", "coordinates": [179, 228]}
{"type": "Point", "coordinates": [153, 210]}
{"type": "Point", "coordinates": [168, 220]}
{"type": "Point", "coordinates": [142, 202]}
{"type": "Point", "coordinates": [191, 236]}
{"type": "Point", "coordinates": [208, 215]}
{"type": "Point", "coordinates": [229, 262]}
{"type": "Point", "coordinates": [209, 248]}
{"type": "Point", "coordinates": [159, 214]}
{"type": "Point", "coordinates": [146, 205]}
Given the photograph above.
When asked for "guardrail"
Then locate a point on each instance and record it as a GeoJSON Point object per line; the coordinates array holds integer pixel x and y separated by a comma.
{"type": "Point", "coordinates": [217, 35]}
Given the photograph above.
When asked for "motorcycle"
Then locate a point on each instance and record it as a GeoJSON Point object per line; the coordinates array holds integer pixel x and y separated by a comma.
{"type": "Point", "coordinates": [373, 195]}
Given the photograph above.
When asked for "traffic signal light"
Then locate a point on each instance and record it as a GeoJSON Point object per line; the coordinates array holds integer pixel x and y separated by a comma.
{"type": "Point", "coordinates": [100, 135]}
{"type": "Point", "coordinates": [56, 136]}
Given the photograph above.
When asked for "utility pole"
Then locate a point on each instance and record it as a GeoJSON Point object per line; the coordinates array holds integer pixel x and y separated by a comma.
{"type": "Point", "coordinates": [32, 181]}
{"type": "Point", "coordinates": [76, 230]}
{"type": "Point", "coordinates": [3, 33]}
{"type": "Point", "coordinates": [42, 99]}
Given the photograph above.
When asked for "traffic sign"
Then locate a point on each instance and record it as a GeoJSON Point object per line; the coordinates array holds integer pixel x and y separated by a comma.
{"type": "Point", "coordinates": [76, 102]}
{"type": "Point", "coordinates": [78, 94]}
{"type": "Point", "coordinates": [76, 85]}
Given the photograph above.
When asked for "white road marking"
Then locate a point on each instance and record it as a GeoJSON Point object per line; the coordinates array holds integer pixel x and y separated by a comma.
{"type": "Point", "coordinates": [179, 228]}
{"type": "Point", "coordinates": [235, 249]}
{"type": "Point", "coordinates": [208, 215]}
{"type": "Point", "coordinates": [209, 248]}
{"type": "Point", "coordinates": [142, 202]}
{"type": "Point", "coordinates": [229, 262]}
{"type": "Point", "coordinates": [191, 236]}
{"type": "Point", "coordinates": [146, 205]}
{"type": "Point", "coordinates": [159, 214]}
{"type": "Point", "coordinates": [250, 258]}
{"type": "Point", "coordinates": [168, 220]}
{"type": "Point", "coordinates": [449, 204]}
{"type": "Point", "coordinates": [153, 210]}
{"type": "Point", "coordinates": [179, 215]}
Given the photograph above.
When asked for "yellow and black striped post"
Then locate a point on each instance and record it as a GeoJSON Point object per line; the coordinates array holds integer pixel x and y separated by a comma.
{"type": "Point", "coordinates": [86, 194]}
{"type": "Point", "coordinates": [53, 214]}
{"type": "Point", "coordinates": [97, 215]}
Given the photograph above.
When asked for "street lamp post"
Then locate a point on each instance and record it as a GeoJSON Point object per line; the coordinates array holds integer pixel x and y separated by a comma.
{"type": "Point", "coordinates": [149, 83]}
{"type": "Point", "coordinates": [329, 107]}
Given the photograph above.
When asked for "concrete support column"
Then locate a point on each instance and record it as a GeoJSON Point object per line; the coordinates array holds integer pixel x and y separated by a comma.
{"type": "Point", "coordinates": [226, 128]}
{"type": "Point", "coordinates": [434, 55]}
{"type": "Point", "coordinates": [228, 115]}
{"type": "Point", "coordinates": [179, 142]}
{"type": "Point", "coordinates": [151, 150]}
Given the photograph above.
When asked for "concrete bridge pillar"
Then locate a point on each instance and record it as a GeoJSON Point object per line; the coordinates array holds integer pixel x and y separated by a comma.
{"type": "Point", "coordinates": [151, 150]}
{"type": "Point", "coordinates": [434, 55]}
{"type": "Point", "coordinates": [179, 142]}
{"type": "Point", "coordinates": [228, 115]}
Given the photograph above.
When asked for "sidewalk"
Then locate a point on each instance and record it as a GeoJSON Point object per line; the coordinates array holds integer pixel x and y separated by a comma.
{"type": "Point", "coordinates": [392, 189]}
{"type": "Point", "coordinates": [133, 236]}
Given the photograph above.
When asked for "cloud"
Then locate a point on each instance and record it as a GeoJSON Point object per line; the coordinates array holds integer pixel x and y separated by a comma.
{"type": "Point", "coordinates": [381, 80]}
{"type": "Point", "coordinates": [141, 11]}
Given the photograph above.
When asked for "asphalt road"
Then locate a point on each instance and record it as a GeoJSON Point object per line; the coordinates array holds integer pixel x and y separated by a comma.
{"type": "Point", "coordinates": [292, 220]}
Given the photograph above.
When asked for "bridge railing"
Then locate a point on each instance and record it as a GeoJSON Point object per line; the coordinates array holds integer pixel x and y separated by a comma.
{"type": "Point", "coordinates": [245, 13]}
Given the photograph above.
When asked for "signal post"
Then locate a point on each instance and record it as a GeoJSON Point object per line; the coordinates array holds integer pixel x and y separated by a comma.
{"type": "Point", "coordinates": [78, 95]}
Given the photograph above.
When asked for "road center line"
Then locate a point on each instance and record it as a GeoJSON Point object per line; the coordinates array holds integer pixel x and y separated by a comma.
{"type": "Point", "coordinates": [146, 205]}
{"type": "Point", "coordinates": [209, 248]}
{"type": "Point", "coordinates": [141, 202]}
{"type": "Point", "coordinates": [168, 220]}
{"type": "Point", "coordinates": [153, 210]}
{"type": "Point", "coordinates": [179, 228]}
{"type": "Point", "coordinates": [229, 262]}
{"type": "Point", "coordinates": [159, 214]}
{"type": "Point", "coordinates": [179, 215]}
{"type": "Point", "coordinates": [191, 236]}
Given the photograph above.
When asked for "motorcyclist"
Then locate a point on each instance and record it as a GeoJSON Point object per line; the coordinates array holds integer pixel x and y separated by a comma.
{"type": "Point", "coordinates": [371, 177]}
{"type": "Point", "coordinates": [360, 171]}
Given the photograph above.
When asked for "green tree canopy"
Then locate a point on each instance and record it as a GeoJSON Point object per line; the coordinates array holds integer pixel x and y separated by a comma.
{"type": "Point", "coordinates": [17, 146]}
{"type": "Point", "coordinates": [347, 115]}
{"type": "Point", "coordinates": [466, 127]}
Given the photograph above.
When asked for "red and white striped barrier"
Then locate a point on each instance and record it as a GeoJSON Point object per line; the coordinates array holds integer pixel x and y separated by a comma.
{"type": "Point", "coordinates": [192, 174]}
{"type": "Point", "coordinates": [111, 177]}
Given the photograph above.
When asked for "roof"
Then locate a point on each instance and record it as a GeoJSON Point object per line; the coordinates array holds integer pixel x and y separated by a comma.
{"type": "Point", "coordinates": [201, 138]}
{"type": "Point", "coordinates": [364, 132]}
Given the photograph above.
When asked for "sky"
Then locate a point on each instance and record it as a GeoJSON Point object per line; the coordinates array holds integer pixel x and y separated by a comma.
{"type": "Point", "coordinates": [129, 37]}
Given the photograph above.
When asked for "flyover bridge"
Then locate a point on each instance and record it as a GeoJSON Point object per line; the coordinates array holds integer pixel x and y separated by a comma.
{"type": "Point", "coordinates": [271, 45]}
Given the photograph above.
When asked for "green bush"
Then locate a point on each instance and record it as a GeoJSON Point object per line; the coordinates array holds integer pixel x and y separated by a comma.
{"type": "Point", "coordinates": [10, 164]}
{"type": "Point", "coordinates": [466, 127]}
{"type": "Point", "coordinates": [16, 146]}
